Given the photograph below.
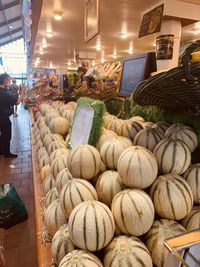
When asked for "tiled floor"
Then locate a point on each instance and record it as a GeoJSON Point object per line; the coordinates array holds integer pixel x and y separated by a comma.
{"type": "Point", "coordinates": [19, 241]}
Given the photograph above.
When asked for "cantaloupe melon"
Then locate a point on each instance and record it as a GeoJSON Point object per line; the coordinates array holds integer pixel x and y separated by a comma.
{"type": "Point", "coordinates": [108, 185]}
{"type": "Point", "coordinates": [184, 133]}
{"type": "Point", "coordinates": [49, 138]}
{"type": "Point", "coordinates": [172, 155]}
{"type": "Point", "coordinates": [148, 138]}
{"type": "Point", "coordinates": [48, 184]}
{"type": "Point", "coordinates": [58, 165]}
{"type": "Point", "coordinates": [161, 126]}
{"type": "Point", "coordinates": [61, 244]}
{"type": "Point", "coordinates": [84, 162]}
{"type": "Point", "coordinates": [44, 107]}
{"type": "Point", "coordinates": [75, 192]}
{"type": "Point", "coordinates": [111, 151]}
{"type": "Point", "coordinates": [133, 211]}
{"type": "Point", "coordinates": [127, 251]}
{"type": "Point", "coordinates": [54, 217]}
{"type": "Point", "coordinates": [172, 196]}
{"type": "Point", "coordinates": [55, 145]}
{"type": "Point", "coordinates": [137, 167]}
{"type": "Point", "coordinates": [68, 115]}
{"type": "Point", "coordinates": [80, 258]}
{"type": "Point", "coordinates": [58, 153]}
{"type": "Point", "coordinates": [129, 129]}
{"type": "Point", "coordinates": [59, 125]}
{"type": "Point", "coordinates": [62, 179]}
{"type": "Point", "coordinates": [45, 171]}
{"type": "Point", "coordinates": [159, 232]}
{"type": "Point", "coordinates": [192, 221]}
{"type": "Point", "coordinates": [50, 197]}
{"type": "Point", "coordinates": [104, 137]}
{"type": "Point", "coordinates": [91, 225]}
{"type": "Point", "coordinates": [51, 115]}
{"type": "Point", "coordinates": [192, 176]}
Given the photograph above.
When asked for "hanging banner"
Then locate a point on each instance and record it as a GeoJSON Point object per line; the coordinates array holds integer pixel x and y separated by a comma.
{"type": "Point", "coordinates": [151, 21]}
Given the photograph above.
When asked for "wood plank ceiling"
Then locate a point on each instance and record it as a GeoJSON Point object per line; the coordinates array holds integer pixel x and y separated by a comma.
{"type": "Point", "coordinates": [67, 38]}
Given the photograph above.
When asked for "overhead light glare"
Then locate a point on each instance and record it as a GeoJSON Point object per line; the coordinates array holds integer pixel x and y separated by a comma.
{"type": "Point", "coordinates": [49, 34]}
{"type": "Point", "coordinates": [98, 47]}
{"type": "Point", "coordinates": [196, 31]}
{"type": "Point", "coordinates": [130, 51]}
{"type": "Point", "coordinates": [58, 16]}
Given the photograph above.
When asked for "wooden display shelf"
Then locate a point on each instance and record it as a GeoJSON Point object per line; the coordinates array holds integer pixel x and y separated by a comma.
{"type": "Point", "coordinates": [43, 250]}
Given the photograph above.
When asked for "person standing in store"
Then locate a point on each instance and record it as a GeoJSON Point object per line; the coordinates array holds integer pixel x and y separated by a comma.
{"type": "Point", "coordinates": [14, 90]}
{"type": "Point", "coordinates": [7, 101]}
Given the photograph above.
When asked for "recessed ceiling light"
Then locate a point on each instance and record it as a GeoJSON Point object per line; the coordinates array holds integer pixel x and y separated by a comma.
{"type": "Point", "coordinates": [11, 26]}
{"type": "Point", "coordinates": [196, 31]}
{"type": "Point", "coordinates": [123, 35]}
{"type": "Point", "coordinates": [130, 51]}
{"type": "Point", "coordinates": [58, 15]}
{"type": "Point", "coordinates": [49, 34]}
{"type": "Point", "coordinates": [98, 47]}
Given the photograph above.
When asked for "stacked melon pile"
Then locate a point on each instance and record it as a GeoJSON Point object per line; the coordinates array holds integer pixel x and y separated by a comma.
{"type": "Point", "coordinates": [107, 198]}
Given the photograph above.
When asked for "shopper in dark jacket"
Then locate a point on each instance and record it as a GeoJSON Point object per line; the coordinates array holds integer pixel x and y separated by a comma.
{"type": "Point", "coordinates": [6, 107]}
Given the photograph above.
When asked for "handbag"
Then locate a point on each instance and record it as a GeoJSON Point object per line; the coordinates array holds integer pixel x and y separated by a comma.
{"type": "Point", "coordinates": [12, 208]}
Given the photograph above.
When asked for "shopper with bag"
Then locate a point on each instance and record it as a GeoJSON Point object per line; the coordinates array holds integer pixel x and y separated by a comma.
{"type": "Point", "coordinates": [6, 109]}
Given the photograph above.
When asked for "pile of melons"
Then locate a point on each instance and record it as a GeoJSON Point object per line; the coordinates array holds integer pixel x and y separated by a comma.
{"type": "Point", "coordinates": [123, 198]}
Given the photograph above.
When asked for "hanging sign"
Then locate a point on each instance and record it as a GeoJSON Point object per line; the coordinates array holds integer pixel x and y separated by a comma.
{"type": "Point", "coordinates": [151, 21]}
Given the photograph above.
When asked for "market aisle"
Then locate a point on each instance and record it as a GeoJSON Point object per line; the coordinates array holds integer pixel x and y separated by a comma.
{"type": "Point", "coordinates": [19, 241]}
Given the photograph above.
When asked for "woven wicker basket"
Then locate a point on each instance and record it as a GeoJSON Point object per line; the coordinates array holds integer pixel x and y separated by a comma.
{"type": "Point", "coordinates": [177, 89]}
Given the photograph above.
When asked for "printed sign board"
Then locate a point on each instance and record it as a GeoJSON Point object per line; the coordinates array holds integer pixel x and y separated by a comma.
{"type": "Point", "coordinates": [151, 21]}
{"type": "Point", "coordinates": [82, 126]}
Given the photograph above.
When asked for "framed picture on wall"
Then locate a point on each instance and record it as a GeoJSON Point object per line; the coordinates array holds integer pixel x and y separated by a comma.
{"type": "Point", "coordinates": [91, 19]}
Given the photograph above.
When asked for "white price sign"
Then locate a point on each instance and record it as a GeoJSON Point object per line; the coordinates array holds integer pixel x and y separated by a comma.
{"type": "Point", "coordinates": [82, 126]}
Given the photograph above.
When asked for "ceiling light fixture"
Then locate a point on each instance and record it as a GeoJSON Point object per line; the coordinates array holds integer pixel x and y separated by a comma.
{"type": "Point", "coordinates": [123, 35]}
{"type": "Point", "coordinates": [11, 26]}
{"type": "Point", "coordinates": [98, 47]}
{"type": "Point", "coordinates": [130, 51]}
{"type": "Point", "coordinates": [58, 15]}
{"type": "Point", "coordinates": [196, 31]}
{"type": "Point", "coordinates": [49, 34]}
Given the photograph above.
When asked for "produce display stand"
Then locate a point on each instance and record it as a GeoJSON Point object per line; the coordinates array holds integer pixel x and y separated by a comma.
{"type": "Point", "coordinates": [43, 249]}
